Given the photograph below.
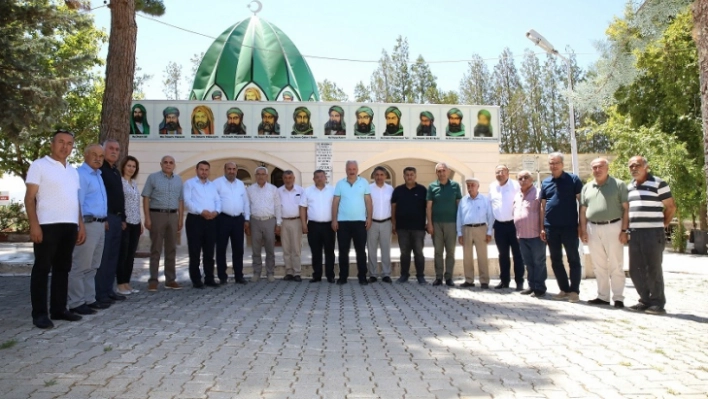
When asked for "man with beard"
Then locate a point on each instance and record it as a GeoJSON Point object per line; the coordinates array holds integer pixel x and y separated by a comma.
{"type": "Point", "coordinates": [335, 125]}
{"type": "Point", "coordinates": [455, 128]}
{"type": "Point", "coordinates": [252, 94]}
{"type": "Point", "coordinates": [234, 122]}
{"type": "Point", "coordinates": [216, 95]}
{"type": "Point", "coordinates": [302, 125]}
{"type": "Point", "coordinates": [139, 123]}
{"type": "Point", "coordinates": [365, 122]}
{"type": "Point", "coordinates": [483, 127]}
{"type": "Point", "coordinates": [393, 122]}
{"type": "Point", "coordinates": [202, 120]}
{"type": "Point", "coordinates": [170, 121]}
{"type": "Point", "coordinates": [426, 126]}
{"type": "Point", "coordinates": [269, 125]}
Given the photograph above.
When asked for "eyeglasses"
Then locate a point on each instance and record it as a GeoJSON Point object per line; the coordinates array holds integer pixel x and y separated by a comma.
{"type": "Point", "coordinates": [62, 131]}
{"type": "Point", "coordinates": [523, 177]}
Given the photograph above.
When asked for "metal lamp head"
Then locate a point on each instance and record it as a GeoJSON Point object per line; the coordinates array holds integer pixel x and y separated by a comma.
{"type": "Point", "coordinates": [540, 41]}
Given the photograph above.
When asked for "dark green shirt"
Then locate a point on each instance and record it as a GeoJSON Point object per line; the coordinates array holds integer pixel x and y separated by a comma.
{"type": "Point", "coordinates": [444, 197]}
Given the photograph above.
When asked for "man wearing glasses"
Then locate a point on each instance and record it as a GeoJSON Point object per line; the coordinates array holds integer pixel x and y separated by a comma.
{"type": "Point", "coordinates": [528, 221]}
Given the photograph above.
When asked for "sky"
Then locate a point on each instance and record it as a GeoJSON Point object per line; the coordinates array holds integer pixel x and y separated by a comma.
{"type": "Point", "coordinates": [440, 30]}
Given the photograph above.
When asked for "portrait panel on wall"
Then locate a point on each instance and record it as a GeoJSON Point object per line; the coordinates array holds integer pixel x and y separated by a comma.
{"type": "Point", "coordinates": [287, 95]}
{"type": "Point", "coordinates": [234, 122]}
{"type": "Point", "coordinates": [170, 124]}
{"type": "Point", "coordinates": [251, 92]}
{"type": "Point", "coordinates": [455, 124]}
{"type": "Point", "coordinates": [335, 125]}
{"type": "Point", "coordinates": [394, 127]}
{"type": "Point", "coordinates": [139, 120]}
{"type": "Point", "coordinates": [302, 118]}
{"type": "Point", "coordinates": [364, 125]}
{"type": "Point", "coordinates": [202, 120]}
{"type": "Point", "coordinates": [269, 125]}
{"type": "Point", "coordinates": [483, 128]}
{"type": "Point", "coordinates": [217, 95]}
{"type": "Point", "coordinates": [426, 125]}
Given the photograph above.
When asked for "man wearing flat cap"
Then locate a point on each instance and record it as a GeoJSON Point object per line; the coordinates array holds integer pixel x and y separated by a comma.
{"type": "Point", "coordinates": [426, 126]}
{"type": "Point", "coordinates": [474, 228]}
{"type": "Point", "coordinates": [170, 121]}
{"type": "Point", "coordinates": [454, 128]}
{"type": "Point", "coordinates": [269, 125]}
{"type": "Point", "coordinates": [234, 122]}
{"type": "Point", "coordinates": [335, 125]}
{"type": "Point", "coordinates": [393, 122]}
{"type": "Point", "coordinates": [365, 122]}
{"type": "Point", "coordinates": [302, 125]}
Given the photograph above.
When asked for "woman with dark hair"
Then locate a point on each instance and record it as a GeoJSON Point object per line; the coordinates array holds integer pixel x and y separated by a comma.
{"type": "Point", "coordinates": [134, 229]}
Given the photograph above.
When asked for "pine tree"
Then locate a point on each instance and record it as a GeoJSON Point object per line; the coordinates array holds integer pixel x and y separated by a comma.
{"type": "Point", "coordinates": [475, 86]}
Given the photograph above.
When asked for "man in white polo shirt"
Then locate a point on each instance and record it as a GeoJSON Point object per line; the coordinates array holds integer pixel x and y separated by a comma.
{"type": "Point", "coordinates": [316, 220]}
{"type": "Point", "coordinates": [291, 229]}
{"type": "Point", "coordinates": [56, 226]}
{"type": "Point", "coordinates": [231, 222]}
{"type": "Point", "coordinates": [379, 233]}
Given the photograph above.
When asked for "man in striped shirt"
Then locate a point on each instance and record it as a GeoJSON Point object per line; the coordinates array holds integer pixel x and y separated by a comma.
{"type": "Point", "coordinates": [651, 209]}
{"type": "Point", "coordinates": [527, 220]}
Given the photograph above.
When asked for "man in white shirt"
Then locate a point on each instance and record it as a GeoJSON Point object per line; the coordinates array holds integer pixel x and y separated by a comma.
{"type": "Point", "coordinates": [291, 230]}
{"type": "Point", "coordinates": [265, 223]}
{"type": "Point", "coordinates": [231, 222]}
{"type": "Point", "coordinates": [316, 220]}
{"type": "Point", "coordinates": [502, 193]}
{"type": "Point", "coordinates": [379, 233]}
{"type": "Point", "coordinates": [203, 205]}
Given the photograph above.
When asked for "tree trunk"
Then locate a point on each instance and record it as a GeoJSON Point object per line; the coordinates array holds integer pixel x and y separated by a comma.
{"type": "Point", "coordinates": [120, 68]}
{"type": "Point", "coordinates": [700, 19]}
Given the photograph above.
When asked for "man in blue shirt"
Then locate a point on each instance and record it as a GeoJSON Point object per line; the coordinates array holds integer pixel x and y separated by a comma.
{"type": "Point", "coordinates": [560, 194]}
{"type": "Point", "coordinates": [86, 258]}
{"type": "Point", "coordinates": [351, 218]}
{"type": "Point", "coordinates": [474, 228]}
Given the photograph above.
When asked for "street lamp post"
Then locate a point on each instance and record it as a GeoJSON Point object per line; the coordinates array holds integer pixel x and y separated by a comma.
{"type": "Point", "coordinates": [541, 41]}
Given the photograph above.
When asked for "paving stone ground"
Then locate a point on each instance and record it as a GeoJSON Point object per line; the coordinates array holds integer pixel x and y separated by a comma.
{"type": "Point", "coordinates": [307, 341]}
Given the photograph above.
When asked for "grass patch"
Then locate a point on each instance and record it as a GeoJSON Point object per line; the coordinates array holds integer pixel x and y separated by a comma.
{"type": "Point", "coordinates": [8, 344]}
{"type": "Point", "coordinates": [107, 348]}
{"type": "Point", "coordinates": [51, 382]}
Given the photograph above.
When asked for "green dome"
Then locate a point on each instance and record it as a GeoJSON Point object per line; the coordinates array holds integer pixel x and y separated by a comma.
{"type": "Point", "coordinates": [254, 53]}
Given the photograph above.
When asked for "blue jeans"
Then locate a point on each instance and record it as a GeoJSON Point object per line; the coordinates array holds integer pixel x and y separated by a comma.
{"type": "Point", "coordinates": [559, 238]}
{"type": "Point", "coordinates": [533, 250]}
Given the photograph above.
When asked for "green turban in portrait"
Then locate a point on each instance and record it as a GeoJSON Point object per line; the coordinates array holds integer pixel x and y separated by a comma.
{"type": "Point", "coordinates": [270, 110]}
{"type": "Point", "coordinates": [170, 111]}
{"type": "Point", "coordinates": [234, 110]}
{"type": "Point", "coordinates": [426, 130]}
{"type": "Point", "coordinates": [428, 115]}
{"type": "Point", "coordinates": [365, 109]}
{"type": "Point", "coordinates": [458, 128]}
{"type": "Point", "coordinates": [393, 131]}
{"type": "Point", "coordinates": [367, 130]}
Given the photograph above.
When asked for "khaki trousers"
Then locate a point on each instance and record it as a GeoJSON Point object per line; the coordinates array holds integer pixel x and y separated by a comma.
{"type": "Point", "coordinates": [291, 239]}
{"type": "Point", "coordinates": [477, 237]}
{"type": "Point", "coordinates": [163, 231]}
{"type": "Point", "coordinates": [607, 254]}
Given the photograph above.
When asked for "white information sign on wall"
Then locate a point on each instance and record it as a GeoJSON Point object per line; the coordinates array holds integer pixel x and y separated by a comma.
{"type": "Point", "coordinates": [323, 159]}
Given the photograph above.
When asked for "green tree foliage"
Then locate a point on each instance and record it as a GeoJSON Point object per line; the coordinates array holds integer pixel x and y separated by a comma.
{"type": "Point", "coordinates": [476, 84]}
{"type": "Point", "coordinates": [329, 91]}
{"type": "Point", "coordinates": [381, 87]}
{"type": "Point", "coordinates": [424, 87]}
{"type": "Point", "coordinates": [172, 81]}
{"type": "Point", "coordinates": [402, 90]}
{"type": "Point", "coordinates": [508, 93]}
{"type": "Point", "coordinates": [362, 93]}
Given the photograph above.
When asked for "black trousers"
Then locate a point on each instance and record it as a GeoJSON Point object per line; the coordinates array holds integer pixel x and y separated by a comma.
{"type": "Point", "coordinates": [201, 238]}
{"type": "Point", "coordinates": [229, 228]}
{"type": "Point", "coordinates": [505, 238]}
{"type": "Point", "coordinates": [321, 236]}
{"type": "Point", "coordinates": [411, 240]}
{"type": "Point", "coordinates": [348, 232]}
{"type": "Point", "coordinates": [128, 246]}
{"type": "Point", "coordinates": [53, 255]}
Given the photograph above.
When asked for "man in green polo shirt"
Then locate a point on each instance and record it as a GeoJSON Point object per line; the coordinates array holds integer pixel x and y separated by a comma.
{"type": "Point", "coordinates": [443, 197]}
{"type": "Point", "coordinates": [604, 219]}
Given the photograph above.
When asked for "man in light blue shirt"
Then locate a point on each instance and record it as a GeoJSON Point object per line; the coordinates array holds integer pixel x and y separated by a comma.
{"type": "Point", "coordinates": [86, 258]}
{"type": "Point", "coordinates": [351, 218]}
{"type": "Point", "coordinates": [203, 205]}
{"type": "Point", "coordinates": [475, 220]}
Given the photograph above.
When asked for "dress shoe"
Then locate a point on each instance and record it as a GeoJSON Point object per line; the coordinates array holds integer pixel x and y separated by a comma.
{"type": "Point", "coordinates": [364, 282]}
{"type": "Point", "coordinates": [387, 279]}
{"type": "Point", "coordinates": [598, 301]}
{"type": "Point", "coordinates": [501, 285]}
{"type": "Point", "coordinates": [402, 280]}
{"type": "Point", "coordinates": [421, 280]}
{"type": "Point", "coordinates": [330, 280]}
{"type": "Point", "coordinates": [619, 304]}
{"type": "Point", "coordinates": [199, 286]}
{"type": "Point", "coordinates": [83, 309]}
{"type": "Point", "coordinates": [315, 280]}
{"type": "Point", "coordinates": [212, 284]}
{"type": "Point", "coordinates": [527, 291]}
{"type": "Point", "coordinates": [173, 285]}
{"type": "Point", "coordinates": [449, 283]}
{"type": "Point", "coordinates": [373, 279]}
{"type": "Point", "coordinates": [657, 310]}
{"type": "Point", "coordinates": [240, 280]}
{"type": "Point", "coordinates": [341, 281]}
{"type": "Point", "coordinates": [639, 307]}
{"type": "Point", "coordinates": [65, 315]}
{"type": "Point", "coordinates": [99, 305]}
{"type": "Point", "coordinates": [485, 286]}
{"type": "Point", "coordinates": [437, 282]}
{"type": "Point", "coordinates": [288, 277]}
{"type": "Point", "coordinates": [117, 297]}
{"type": "Point", "coordinates": [107, 301]}
{"type": "Point", "coordinates": [466, 285]}
{"type": "Point", "coordinates": [223, 281]}
{"type": "Point", "coordinates": [152, 286]}
{"type": "Point", "coordinates": [538, 294]}
{"type": "Point", "coordinates": [42, 322]}
{"type": "Point", "coordinates": [519, 287]}
{"type": "Point", "coordinates": [297, 279]}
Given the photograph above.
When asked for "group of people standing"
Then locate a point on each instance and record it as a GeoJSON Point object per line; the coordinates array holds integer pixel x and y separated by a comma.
{"type": "Point", "coordinates": [85, 224]}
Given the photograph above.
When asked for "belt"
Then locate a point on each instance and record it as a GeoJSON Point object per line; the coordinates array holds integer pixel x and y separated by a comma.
{"type": "Point", "coordinates": [295, 218]}
{"type": "Point", "coordinates": [476, 224]}
{"type": "Point", "coordinates": [261, 217]}
{"type": "Point", "coordinates": [504, 221]}
{"type": "Point", "coordinates": [380, 221]}
{"type": "Point", "coordinates": [91, 219]}
{"type": "Point", "coordinates": [226, 214]}
{"type": "Point", "coordinates": [163, 210]}
{"type": "Point", "coordinates": [315, 221]}
{"type": "Point", "coordinates": [606, 222]}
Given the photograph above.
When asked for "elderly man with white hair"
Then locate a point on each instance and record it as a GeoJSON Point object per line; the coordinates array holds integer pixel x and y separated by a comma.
{"type": "Point", "coordinates": [264, 224]}
{"type": "Point", "coordinates": [474, 228]}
